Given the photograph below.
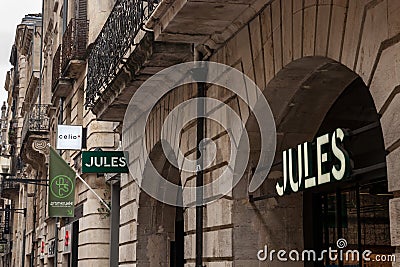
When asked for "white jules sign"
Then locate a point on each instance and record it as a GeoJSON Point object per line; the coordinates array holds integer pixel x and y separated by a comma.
{"type": "Point", "coordinates": [313, 164]}
{"type": "Point", "coordinates": [69, 137]}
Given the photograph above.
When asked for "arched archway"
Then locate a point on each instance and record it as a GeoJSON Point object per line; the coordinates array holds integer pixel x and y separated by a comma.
{"type": "Point", "coordinates": [304, 97]}
{"type": "Point", "coordinates": [160, 227]}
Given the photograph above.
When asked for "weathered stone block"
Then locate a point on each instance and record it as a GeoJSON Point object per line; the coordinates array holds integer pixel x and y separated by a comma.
{"type": "Point", "coordinates": [393, 170]}
{"type": "Point", "coordinates": [374, 32]}
{"type": "Point", "coordinates": [394, 213]}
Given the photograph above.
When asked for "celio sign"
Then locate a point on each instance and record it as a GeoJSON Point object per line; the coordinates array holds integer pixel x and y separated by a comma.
{"type": "Point", "coordinates": [327, 153]}
{"type": "Point", "coordinates": [69, 137]}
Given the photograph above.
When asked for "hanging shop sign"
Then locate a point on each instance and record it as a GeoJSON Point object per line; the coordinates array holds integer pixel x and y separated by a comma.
{"type": "Point", "coordinates": [312, 164]}
{"type": "Point", "coordinates": [7, 212]}
{"type": "Point", "coordinates": [61, 188]}
{"type": "Point", "coordinates": [51, 252]}
{"type": "Point", "coordinates": [67, 233]}
{"type": "Point", "coordinates": [69, 137]}
{"type": "Point", "coordinates": [42, 248]}
{"type": "Point", "coordinates": [104, 162]}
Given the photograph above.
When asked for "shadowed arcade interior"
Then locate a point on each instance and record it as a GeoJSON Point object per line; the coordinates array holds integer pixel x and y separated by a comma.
{"type": "Point", "coordinates": [160, 227]}
{"type": "Point", "coordinates": [308, 97]}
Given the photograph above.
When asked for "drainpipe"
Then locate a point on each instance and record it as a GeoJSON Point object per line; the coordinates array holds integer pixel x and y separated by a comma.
{"type": "Point", "coordinates": [65, 16]}
{"type": "Point", "coordinates": [200, 174]}
{"type": "Point", "coordinates": [41, 57]}
{"type": "Point", "coordinates": [60, 120]}
{"type": "Point", "coordinates": [32, 263]}
{"type": "Point", "coordinates": [24, 231]}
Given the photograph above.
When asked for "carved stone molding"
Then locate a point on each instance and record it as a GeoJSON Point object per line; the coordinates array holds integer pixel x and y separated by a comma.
{"type": "Point", "coordinates": [41, 146]}
{"type": "Point", "coordinates": [36, 153]}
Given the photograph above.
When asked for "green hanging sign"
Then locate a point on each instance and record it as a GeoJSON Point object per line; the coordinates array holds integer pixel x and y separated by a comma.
{"type": "Point", "coordinates": [61, 188]}
{"type": "Point", "coordinates": [104, 162]}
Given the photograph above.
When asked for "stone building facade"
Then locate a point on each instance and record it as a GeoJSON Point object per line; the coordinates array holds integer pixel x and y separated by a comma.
{"type": "Point", "coordinates": [321, 64]}
{"type": "Point", "coordinates": [25, 129]}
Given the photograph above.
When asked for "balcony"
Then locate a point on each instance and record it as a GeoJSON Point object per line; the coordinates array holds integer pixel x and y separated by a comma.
{"type": "Point", "coordinates": [208, 22]}
{"type": "Point", "coordinates": [34, 136]}
{"type": "Point", "coordinates": [123, 56]}
{"type": "Point", "coordinates": [31, 90]}
{"type": "Point", "coordinates": [36, 122]}
{"type": "Point", "coordinates": [8, 189]}
{"type": "Point", "coordinates": [61, 86]}
{"type": "Point", "coordinates": [12, 132]}
{"type": "Point", "coordinates": [74, 44]}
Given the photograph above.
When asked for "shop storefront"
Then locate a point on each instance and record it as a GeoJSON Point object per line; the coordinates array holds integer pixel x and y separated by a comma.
{"type": "Point", "coordinates": [354, 210]}
{"type": "Point", "coordinates": [344, 182]}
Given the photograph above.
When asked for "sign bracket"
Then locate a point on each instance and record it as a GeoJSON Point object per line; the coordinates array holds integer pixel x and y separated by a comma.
{"type": "Point", "coordinates": [94, 192]}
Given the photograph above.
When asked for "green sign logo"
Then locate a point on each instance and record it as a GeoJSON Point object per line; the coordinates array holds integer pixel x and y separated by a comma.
{"type": "Point", "coordinates": [61, 186]}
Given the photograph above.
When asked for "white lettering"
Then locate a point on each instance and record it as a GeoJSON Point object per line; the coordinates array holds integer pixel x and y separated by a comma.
{"type": "Point", "coordinates": [122, 162]}
{"type": "Point", "coordinates": [292, 172]}
{"type": "Point", "coordinates": [338, 173]}
{"type": "Point", "coordinates": [281, 255]}
{"type": "Point", "coordinates": [322, 157]}
{"type": "Point", "coordinates": [114, 162]}
{"type": "Point", "coordinates": [260, 252]}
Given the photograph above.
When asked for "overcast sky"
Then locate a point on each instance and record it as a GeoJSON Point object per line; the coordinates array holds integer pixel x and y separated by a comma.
{"type": "Point", "coordinates": [11, 14]}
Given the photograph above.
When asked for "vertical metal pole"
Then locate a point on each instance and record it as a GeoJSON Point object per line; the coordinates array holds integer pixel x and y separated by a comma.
{"type": "Point", "coordinates": [32, 263]}
{"type": "Point", "coordinates": [65, 16]}
{"type": "Point", "coordinates": [61, 115]}
{"type": "Point", "coordinates": [56, 242]}
{"type": "Point", "coordinates": [41, 57]}
{"type": "Point", "coordinates": [358, 203]}
{"type": "Point", "coordinates": [326, 226]}
{"type": "Point", "coordinates": [199, 175]}
{"type": "Point", "coordinates": [23, 241]}
{"type": "Point", "coordinates": [339, 217]}
{"type": "Point", "coordinates": [114, 231]}
{"type": "Point", "coordinates": [60, 121]}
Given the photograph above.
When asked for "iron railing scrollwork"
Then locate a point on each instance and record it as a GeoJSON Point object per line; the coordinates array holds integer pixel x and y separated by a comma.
{"type": "Point", "coordinates": [37, 121]}
{"type": "Point", "coordinates": [113, 42]}
{"type": "Point", "coordinates": [56, 71]}
{"type": "Point", "coordinates": [74, 41]}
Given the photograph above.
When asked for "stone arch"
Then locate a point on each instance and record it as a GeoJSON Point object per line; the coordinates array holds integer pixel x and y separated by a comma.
{"type": "Point", "coordinates": [157, 222]}
{"type": "Point", "coordinates": [361, 35]}
{"type": "Point", "coordinates": [300, 95]}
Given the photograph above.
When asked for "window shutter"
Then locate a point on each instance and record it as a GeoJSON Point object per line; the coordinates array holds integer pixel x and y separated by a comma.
{"type": "Point", "coordinates": [81, 9]}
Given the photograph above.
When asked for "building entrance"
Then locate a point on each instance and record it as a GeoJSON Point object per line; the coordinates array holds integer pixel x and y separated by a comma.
{"type": "Point", "coordinates": [352, 214]}
{"type": "Point", "coordinates": [355, 218]}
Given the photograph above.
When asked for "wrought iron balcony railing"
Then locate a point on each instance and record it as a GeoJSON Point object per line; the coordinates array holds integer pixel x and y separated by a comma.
{"type": "Point", "coordinates": [12, 131]}
{"type": "Point", "coordinates": [37, 121]}
{"type": "Point", "coordinates": [56, 72]}
{"type": "Point", "coordinates": [8, 185]}
{"type": "Point", "coordinates": [113, 42]}
{"type": "Point", "coordinates": [74, 41]}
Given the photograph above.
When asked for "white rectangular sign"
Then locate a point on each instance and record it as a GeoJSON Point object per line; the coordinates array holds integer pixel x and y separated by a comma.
{"type": "Point", "coordinates": [67, 234]}
{"type": "Point", "coordinates": [69, 137]}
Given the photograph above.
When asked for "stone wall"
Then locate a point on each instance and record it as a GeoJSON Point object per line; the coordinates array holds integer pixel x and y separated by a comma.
{"type": "Point", "coordinates": [362, 36]}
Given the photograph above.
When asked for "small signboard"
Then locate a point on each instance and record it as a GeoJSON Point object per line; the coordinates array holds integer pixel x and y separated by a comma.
{"type": "Point", "coordinates": [51, 252]}
{"type": "Point", "coordinates": [104, 162]}
{"type": "Point", "coordinates": [67, 233]}
{"type": "Point", "coordinates": [69, 137]}
{"type": "Point", "coordinates": [42, 248]}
